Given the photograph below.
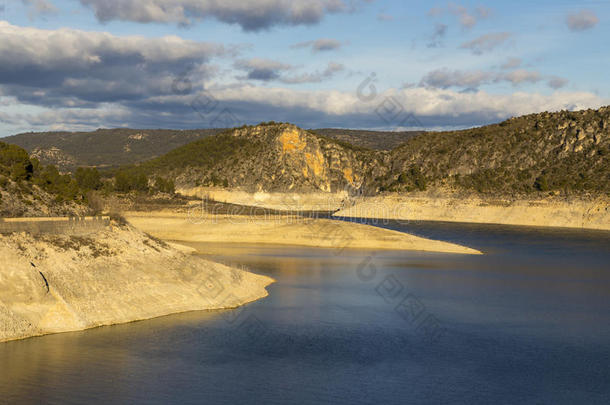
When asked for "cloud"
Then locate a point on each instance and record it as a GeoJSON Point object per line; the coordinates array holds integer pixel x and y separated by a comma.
{"type": "Point", "coordinates": [467, 20]}
{"type": "Point", "coordinates": [436, 39]}
{"type": "Point", "coordinates": [486, 43]}
{"type": "Point", "coordinates": [471, 80]}
{"type": "Point", "coordinates": [266, 70]}
{"type": "Point", "coordinates": [582, 20]}
{"type": "Point", "coordinates": [39, 7]}
{"type": "Point", "coordinates": [484, 12]}
{"type": "Point", "coordinates": [253, 15]}
{"type": "Point", "coordinates": [436, 12]}
{"type": "Point", "coordinates": [316, 77]}
{"type": "Point", "coordinates": [512, 63]}
{"type": "Point", "coordinates": [557, 82]}
{"type": "Point", "coordinates": [262, 69]}
{"type": "Point", "coordinates": [320, 45]}
{"type": "Point", "coordinates": [67, 67]}
{"type": "Point", "coordinates": [438, 108]}
{"type": "Point", "coordinates": [520, 76]}
{"type": "Point", "coordinates": [385, 17]}
{"type": "Point", "coordinates": [445, 78]}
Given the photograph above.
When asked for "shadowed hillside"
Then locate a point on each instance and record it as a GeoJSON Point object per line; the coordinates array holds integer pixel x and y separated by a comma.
{"type": "Point", "coordinates": [122, 146]}
{"type": "Point", "coordinates": [28, 188]}
{"type": "Point", "coordinates": [104, 147]}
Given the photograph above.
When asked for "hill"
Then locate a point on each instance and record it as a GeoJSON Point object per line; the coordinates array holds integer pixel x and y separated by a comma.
{"type": "Point", "coordinates": [378, 140]}
{"type": "Point", "coordinates": [270, 157]}
{"type": "Point", "coordinates": [563, 152]}
{"type": "Point", "coordinates": [123, 146]}
{"type": "Point", "coordinates": [28, 188]}
{"type": "Point", "coordinates": [104, 147]}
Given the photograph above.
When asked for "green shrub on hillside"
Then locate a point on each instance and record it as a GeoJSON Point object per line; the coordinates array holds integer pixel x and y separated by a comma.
{"type": "Point", "coordinates": [88, 178]}
{"type": "Point", "coordinates": [130, 179]}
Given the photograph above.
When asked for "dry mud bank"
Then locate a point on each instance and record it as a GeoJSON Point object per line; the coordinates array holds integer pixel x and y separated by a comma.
{"type": "Point", "coordinates": [283, 230]}
{"type": "Point", "coordinates": [320, 201]}
{"type": "Point", "coordinates": [576, 213]}
{"type": "Point", "coordinates": [113, 276]}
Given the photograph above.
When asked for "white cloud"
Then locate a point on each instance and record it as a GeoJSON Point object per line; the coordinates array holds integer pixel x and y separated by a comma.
{"type": "Point", "coordinates": [316, 77]}
{"type": "Point", "coordinates": [467, 18]}
{"type": "Point", "coordinates": [440, 108]}
{"type": "Point", "coordinates": [557, 82]}
{"type": "Point", "coordinates": [270, 70]}
{"type": "Point", "coordinates": [251, 15]}
{"type": "Point", "coordinates": [320, 45]}
{"type": "Point", "coordinates": [486, 43]}
{"type": "Point", "coordinates": [436, 39]}
{"type": "Point", "coordinates": [512, 63]}
{"type": "Point", "coordinates": [472, 79]}
{"type": "Point", "coordinates": [520, 76]}
{"type": "Point", "coordinates": [262, 69]}
{"type": "Point", "coordinates": [445, 78]}
{"type": "Point", "coordinates": [73, 67]}
{"type": "Point", "coordinates": [582, 20]}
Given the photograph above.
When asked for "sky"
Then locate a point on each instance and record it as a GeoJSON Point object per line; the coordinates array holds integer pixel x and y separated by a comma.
{"type": "Point", "coordinates": [372, 64]}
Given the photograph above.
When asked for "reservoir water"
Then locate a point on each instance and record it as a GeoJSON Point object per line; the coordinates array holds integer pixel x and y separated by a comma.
{"type": "Point", "coordinates": [528, 322]}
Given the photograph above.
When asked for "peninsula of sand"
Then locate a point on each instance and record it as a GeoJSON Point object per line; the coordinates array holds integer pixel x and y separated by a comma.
{"type": "Point", "coordinates": [60, 282]}
{"type": "Point", "coordinates": [199, 226]}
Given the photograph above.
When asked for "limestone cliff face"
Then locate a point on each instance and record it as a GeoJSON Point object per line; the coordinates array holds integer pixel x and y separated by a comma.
{"type": "Point", "coordinates": [324, 166]}
{"type": "Point", "coordinates": [279, 158]}
{"type": "Point", "coordinates": [113, 276]}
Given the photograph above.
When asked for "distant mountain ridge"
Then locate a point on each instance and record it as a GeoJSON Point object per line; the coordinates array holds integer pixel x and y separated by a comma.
{"type": "Point", "coordinates": [104, 147]}
{"type": "Point", "coordinates": [562, 153]}
{"type": "Point", "coordinates": [121, 146]}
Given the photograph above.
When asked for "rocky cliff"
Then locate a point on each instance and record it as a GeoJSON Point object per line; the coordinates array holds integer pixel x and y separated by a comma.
{"type": "Point", "coordinates": [277, 157]}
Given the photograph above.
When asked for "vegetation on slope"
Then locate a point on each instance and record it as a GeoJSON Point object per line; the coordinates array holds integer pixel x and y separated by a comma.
{"type": "Point", "coordinates": [564, 152]}
{"type": "Point", "coordinates": [376, 140]}
{"type": "Point", "coordinates": [104, 147]}
{"type": "Point", "coordinates": [31, 189]}
{"type": "Point", "coordinates": [270, 156]}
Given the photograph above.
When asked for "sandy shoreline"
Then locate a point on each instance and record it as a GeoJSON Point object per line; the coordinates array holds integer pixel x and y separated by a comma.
{"type": "Point", "coordinates": [551, 212]}
{"type": "Point", "coordinates": [282, 230]}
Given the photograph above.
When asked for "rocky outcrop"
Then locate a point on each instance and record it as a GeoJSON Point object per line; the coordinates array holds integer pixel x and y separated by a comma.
{"type": "Point", "coordinates": [296, 160]}
{"type": "Point", "coordinates": [271, 158]}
